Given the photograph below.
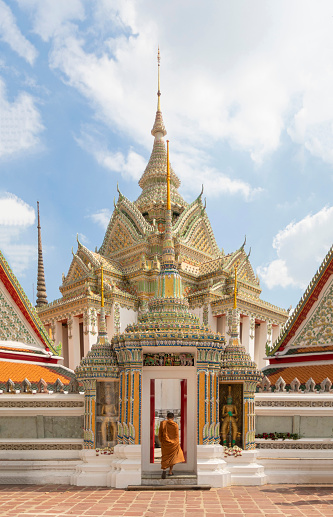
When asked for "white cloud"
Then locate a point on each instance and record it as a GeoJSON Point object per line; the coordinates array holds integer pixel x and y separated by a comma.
{"type": "Point", "coordinates": [15, 212]}
{"type": "Point", "coordinates": [300, 249]}
{"type": "Point", "coordinates": [196, 170]}
{"type": "Point", "coordinates": [20, 123]}
{"type": "Point", "coordinates": [102, 217]}
{"type": "Point", "coordinates": [15, 217]}
{"type": "Point", "coordinates": [11, 34]}
{"type": "Point", "coordinates": [245, 80]}
{"type": "Point", "coordinates": [131, 166]}
{"type": "Point", "coordinates": [51, 16]}
{"type": "Point", "coordinates": [83, 238]}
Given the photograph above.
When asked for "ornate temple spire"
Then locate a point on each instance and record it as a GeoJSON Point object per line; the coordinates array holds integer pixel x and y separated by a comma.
{"type": "Point", "coordinates": [158, 130]}
{"type": "Point", "coordinates": [41, 287]}
{"type": "Point", "coordinates": [152, 181]}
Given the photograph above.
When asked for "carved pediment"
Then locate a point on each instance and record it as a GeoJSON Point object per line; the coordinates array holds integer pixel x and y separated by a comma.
{"type": "Point", "coordinates": [318, 328]}
{"type": "Point", "coordinates": [126, 228]}
{"type": "Point", "coordinates": [196, 232]}
{"type": "Point", "coordinates": [77, 270]}
{"type": "Point", "coordinates": [120, 237]}
{"type": "Point", "coordinates": [244, 269]}
{"type": "Point", "coordinates": [13, 325]}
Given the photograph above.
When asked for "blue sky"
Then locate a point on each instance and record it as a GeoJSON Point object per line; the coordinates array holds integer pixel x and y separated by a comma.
{"type": "Point", "coordinates": [246, 100]}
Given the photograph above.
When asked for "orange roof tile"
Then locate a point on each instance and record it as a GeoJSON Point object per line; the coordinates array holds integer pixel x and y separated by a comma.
{"type": "Point", "coordinates": [303, 373]}
{"type": "Point", "coordinates": [17, 372]}
{"type": "Point", "coordinates": [313, 349]}
{"type": "Point", "coordinates": [25, 350]}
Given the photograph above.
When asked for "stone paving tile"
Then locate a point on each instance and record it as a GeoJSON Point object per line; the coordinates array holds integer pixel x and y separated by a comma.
{"type": "Point", "coordinates": [68, 501]}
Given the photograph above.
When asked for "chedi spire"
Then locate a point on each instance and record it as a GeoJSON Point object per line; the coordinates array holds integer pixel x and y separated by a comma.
{"type": "Point", "coordinates": [151, 201]}
{"type": "Point", "coordinates": [41, 287]}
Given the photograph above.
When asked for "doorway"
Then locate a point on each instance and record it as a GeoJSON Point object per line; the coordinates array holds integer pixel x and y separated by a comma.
{"type": "Point", "coordinates": [168, 389]}
{"type": "Point", "coordinates": [167, 396]}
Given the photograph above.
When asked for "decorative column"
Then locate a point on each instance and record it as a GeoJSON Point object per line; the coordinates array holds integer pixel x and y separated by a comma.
{"type": "Point", "coordinates": [208, 362]}
{"type": "Point", "coordinates": [129, 426]}
{"type": "Point", "coordinates": [89, 331]}
{"type": "Point", "coordinates": [89, 413]}
{"type": "Point", "coordinates": [249, 415]}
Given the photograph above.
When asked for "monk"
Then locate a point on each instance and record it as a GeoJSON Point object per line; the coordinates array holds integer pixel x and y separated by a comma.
{"type": "Point", "coordinates": [171, 451]}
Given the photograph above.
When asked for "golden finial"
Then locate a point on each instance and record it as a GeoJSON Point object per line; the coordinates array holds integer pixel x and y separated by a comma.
{"type": "Point", "coordinates": [102, 288]}
{"type": "Point", "coordinates": [235, 290]}
{"type": "Point", "coordinates": [158, 80]}
{"type": "Point", "coordinates": [168, 179]}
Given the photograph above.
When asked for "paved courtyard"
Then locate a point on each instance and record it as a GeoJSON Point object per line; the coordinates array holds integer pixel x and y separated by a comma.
{"type": "Point", "coordinates": [63, 500]}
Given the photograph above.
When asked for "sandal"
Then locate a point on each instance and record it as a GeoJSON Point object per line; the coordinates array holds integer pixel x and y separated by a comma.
{"type": "Point", "coordinates": [170, 474]}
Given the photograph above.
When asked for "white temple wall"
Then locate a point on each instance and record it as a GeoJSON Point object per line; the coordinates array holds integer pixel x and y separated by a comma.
{"type": "Point", "coordinates": [198, 311]}
{"type": "Point", "coordinates": [245, 320]}
{"type": "Point", "coordinates": [260, 344]}
{"type": "Point", "coordinates": [275, 332]}
{"type": "Point", "coordinates": [110, 329]}
{"type": "Point", "coordinates": [127, 316]}
{"type": "Point", "coordinates": [212, 320]}
{"type": "Point", "coordinates": [74, 342]}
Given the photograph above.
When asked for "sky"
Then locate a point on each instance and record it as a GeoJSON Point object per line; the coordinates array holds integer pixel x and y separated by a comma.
{"type": "Point", "coordinates": [246, 99]}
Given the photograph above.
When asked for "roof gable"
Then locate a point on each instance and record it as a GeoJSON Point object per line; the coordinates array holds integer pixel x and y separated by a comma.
{"type": "Point", "coordinates": [306, 326]}
{"type": "Point", "coordinates": [19, 320]}
{"type": "Point", "coordinates": [318, 328]}
{"type": "Point", "coordinates": [126, 228]}
{"type": "Point", "coordinates": [194, 230]}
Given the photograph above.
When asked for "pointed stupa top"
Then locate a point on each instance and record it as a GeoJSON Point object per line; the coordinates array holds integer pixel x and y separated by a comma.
{"type": "Point", "coordinates": [152, 181]}
{"type": "Point", "coordinates": [159, 126]}
{"type": "Point", "coordinates": [101, 360]}
{"type": "Point", "coordinates": [41, 287]}
{"type": "Point", "coordinates": [236, 362]}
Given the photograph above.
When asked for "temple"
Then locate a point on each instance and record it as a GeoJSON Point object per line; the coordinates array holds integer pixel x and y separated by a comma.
{"type": "Point", "coordinates": [303, 353]}
{"type": "Point", "coordinates": [131, 256]}
{"type": "Point", "coordinates": [179, 364]}
{"type": "Point", "coordinates": [158, 320]}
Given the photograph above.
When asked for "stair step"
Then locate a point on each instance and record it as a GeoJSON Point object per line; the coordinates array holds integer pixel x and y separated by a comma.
{"type": "Point", "coordinates": [141, 488]}
{"type": "Point", "coordinates": [179, 478]}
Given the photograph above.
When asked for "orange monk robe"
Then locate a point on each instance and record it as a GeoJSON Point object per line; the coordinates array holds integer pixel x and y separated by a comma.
{"type": "Point", "coordinates": [169, 439]}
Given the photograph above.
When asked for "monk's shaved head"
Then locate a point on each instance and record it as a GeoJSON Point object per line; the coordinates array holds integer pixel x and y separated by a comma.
{"type": "Point", "coordinates": [170, 415]}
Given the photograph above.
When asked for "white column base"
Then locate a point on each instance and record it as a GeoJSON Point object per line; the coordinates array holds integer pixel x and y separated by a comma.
{"type": "Point", "coordinates": [245, 470]}
{"type": "Point", "coordinates": [93, 470]}
{"type": "Point", "coordinates": [211, 467]}
{"type": "Point", "coordinates": [127, 467]}
{"type": "Point", "coordinates": [117, 470]}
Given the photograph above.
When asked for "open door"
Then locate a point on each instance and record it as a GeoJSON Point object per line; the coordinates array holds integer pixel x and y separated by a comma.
{"type": "Point", "coordinates": [167, 395]}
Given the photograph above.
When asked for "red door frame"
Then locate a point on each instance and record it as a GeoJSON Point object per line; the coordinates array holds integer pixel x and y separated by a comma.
{"type": "Point", "coordinates": [152, 420]}
{"type": "Point", "coordinates": [183, 415]}
{"type": "Point", "coordinates": [183, 419]}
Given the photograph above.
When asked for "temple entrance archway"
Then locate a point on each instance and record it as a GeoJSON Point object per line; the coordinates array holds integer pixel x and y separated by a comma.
{"type": "Point", "coordinates": [168, 388]}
